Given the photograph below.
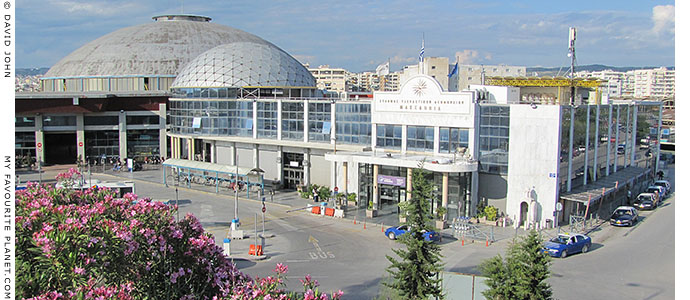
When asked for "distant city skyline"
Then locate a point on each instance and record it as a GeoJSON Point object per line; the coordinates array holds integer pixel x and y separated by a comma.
{"type": "Point", "coordinates": [358, 36]}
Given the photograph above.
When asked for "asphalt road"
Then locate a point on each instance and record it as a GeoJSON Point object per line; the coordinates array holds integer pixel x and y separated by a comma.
{"type": "Point", "coordinates": [623, 263]}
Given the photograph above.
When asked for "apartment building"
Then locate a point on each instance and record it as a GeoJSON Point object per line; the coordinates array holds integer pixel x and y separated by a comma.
{"type": "Point", "coordinates": [330, 79]}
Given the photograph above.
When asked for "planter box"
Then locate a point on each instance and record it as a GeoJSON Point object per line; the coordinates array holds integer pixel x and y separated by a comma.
{"type": "Point", "coordinates": [402, 219]}
{"type": "Point", "coordinates": [372, 213]}
{"type": "Point", "coordinates": [441, 224]}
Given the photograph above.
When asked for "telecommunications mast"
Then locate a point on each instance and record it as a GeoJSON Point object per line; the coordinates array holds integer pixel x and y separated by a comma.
{"type": "Point", "coordinates": [571, 54]}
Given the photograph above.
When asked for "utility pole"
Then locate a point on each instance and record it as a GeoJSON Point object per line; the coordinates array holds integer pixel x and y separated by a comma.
{"type": "Point", "coordinates": [571, 54]}
{"type": "Point", "coordinates": [237, 177]}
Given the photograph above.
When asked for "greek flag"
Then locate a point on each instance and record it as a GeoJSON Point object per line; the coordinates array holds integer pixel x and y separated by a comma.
{"type": "Point", "coordinates": [421, 52]}
{"type": "Point", "coordinates": [454, 71]}
{"type": "Point", "coordinates": [383, 69]}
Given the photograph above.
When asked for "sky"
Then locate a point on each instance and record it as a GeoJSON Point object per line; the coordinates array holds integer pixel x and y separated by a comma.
{"type": "Point", "coordinates": [359, 35]}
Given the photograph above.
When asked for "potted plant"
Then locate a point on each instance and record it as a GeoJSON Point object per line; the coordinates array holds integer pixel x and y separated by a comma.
{"type": "Point", "coordinates": [441, 217]}
{"type": "Point", "coordinates": [371, 212]}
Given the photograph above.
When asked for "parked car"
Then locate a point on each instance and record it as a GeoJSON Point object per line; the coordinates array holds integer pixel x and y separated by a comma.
{"type": "Point", "coordinates": [624, 216]}
{"type": "Point", "coordinates": [665, 184]}
{"type": "Point", "coordinates": [657, 189]}
{"type": "Point", "coordinates": [393, 233]}
{"type": "Point", "coordinates": [564, 244]}
{"type": "Point", "coordinates": [646, 201]}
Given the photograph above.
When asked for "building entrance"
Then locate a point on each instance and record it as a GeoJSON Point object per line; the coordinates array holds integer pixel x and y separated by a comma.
{"type": "Point", "coordinates": [293, 170]}
{"type": "Point", "coordinates": [389, 197]}
{"type": "Point", "coordinates": [60, 148]}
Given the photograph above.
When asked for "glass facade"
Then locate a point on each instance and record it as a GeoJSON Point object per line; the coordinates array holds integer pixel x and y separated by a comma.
{"type": "Point", "coordinates": [320, 122]}
{"type": "Point", "coordinates": [24, 122]}
{"type": "Point", "coordinates": [24, 144]}
{"type": "Point", "coordinates": [102, 120]}
{"type": "Point", "coordinates": [102, 143]}
{"type": "Point", "coordinates": [142, 142]}
{"type": "Point", "coordinates": [493, 139]}
{"type": "Point", "coordinates": [267, 120]}
{"type": "Point", "coordinates": [452, 138]}
{"type": "Point", "coordinates": [389, 136]}
{"type": "Point", "coordinates": [240, 118]}
{"type": "Point", "coordinates": [142, 120]}
{"type": "Point", "coordinates": [353, 123]}
{"type": "Point", "coordinates": [59, 121]}
{"type": "Point", "coordinates": [293, 120]}
{"type": "Point", "coordinates": [420, 138]}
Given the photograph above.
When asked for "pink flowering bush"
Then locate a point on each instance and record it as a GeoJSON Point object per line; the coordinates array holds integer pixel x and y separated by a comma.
{"type": "Point", "coordinates": [87, 244]}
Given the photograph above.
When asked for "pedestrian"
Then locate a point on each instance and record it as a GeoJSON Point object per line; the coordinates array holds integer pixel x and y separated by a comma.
{"type": "Point", "coordinates": [315, 194]}
{"type": "Point", "coordinates": [660, 174]}
{"type": "Point", "coordinates": [629, 196]}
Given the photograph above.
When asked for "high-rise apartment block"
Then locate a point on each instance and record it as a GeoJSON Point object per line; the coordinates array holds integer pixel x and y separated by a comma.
{"type": "Point", "coordinates": [659, 83]}
{"type": "Point", "coordinates": [330, 79]}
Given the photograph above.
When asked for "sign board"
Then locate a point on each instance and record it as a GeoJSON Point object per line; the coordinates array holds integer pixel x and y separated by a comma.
{"type": "Point", "coordinates": [294, 164]}
{"type": "Point", "coordinates": [39, 145]}
{"type": "Point", "coordinates": [335, 189]}
{"type": "Point", "coordinates": [130, 163]}
{"type": "Point", "coordinates": [559, 206]}
{"type": "Point", "coordinates": [392, 180]}
{"type": "Point", "coordinates": [196, 122]}
{"type": "Point", "coordinates": [422, 93]}
{"type": "Point", "coordinates": [263, 209]}
{"type": "Point", "coordinates": [81, 144]}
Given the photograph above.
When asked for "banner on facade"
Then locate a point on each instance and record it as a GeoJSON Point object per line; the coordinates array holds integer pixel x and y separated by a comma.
{"type": "Point", "coordinates": [392, 180]}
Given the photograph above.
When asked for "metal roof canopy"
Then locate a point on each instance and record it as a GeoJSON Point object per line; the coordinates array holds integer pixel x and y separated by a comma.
{"type": "Point", "coordinates": [595, 189]}
{"type": "Point", "coordinates": [249, 173]}
{"type": "Point", "coordinates": [205, 166]}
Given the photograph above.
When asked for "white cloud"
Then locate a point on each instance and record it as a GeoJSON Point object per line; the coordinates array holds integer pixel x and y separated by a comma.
{"type": "Point", "coordinates": [99, 8]}
{"type": "Point", "coordinates": [399, 59]}
{"type": "Point", "coordinates": [466, 57]}
{"type": "Point", "coordinates": [664, 17]}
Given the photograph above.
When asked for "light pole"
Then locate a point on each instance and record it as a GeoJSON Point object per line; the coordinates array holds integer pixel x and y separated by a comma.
{"type": "Point", "coordinates": [237, 194]}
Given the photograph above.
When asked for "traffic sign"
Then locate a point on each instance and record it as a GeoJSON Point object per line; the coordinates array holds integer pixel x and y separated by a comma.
{"type": "Point", "coordinates": [559, 206]}
{"type": "Point", "coordinates": [263, 209]}
{"type": "Point", "coordinates": [39, 145]}
{"type": "Point", "coordinates": [335, 189]}
{"type": "Point", "coordinates": [81, 144]}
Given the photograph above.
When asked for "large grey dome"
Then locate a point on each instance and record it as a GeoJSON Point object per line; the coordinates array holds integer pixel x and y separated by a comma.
{"type": "Point", "coordinates": [244, 63]}
{"type": "Point", "coordinates": [158, 48]}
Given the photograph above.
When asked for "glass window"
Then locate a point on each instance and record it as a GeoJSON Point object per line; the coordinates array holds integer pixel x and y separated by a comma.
{"type": "Point", "coordinates": [102, 143]}
{"type": "Point", "coordinates": [24, 121]}
{"type": "Point", "coordinates": [353, 123]}
{"type": "Point", "coordinates": [25, 145]}
{"type": "Point", "coordinates": [142, 142]}
{"type": "Point", "coordinates": [320, 122]}
{"type": "Point", "coordinates": [493, 138]}
{"type": "Point", "coordinates": [389, 136]}
{"type": "Point", "coordinates": [420, 138]}
{"type": "Point", "coordinates": [142, 120]}
{"type": "Point", "coordinates": [267, 119]}
{"type": "Point", "coordinates": [101, 120]}
{"type": "Point", "coordinates": [59, 121]}
{"type": "Point", "coordinates": [453, 138]}
{"type": "Point", "coordinates": [293, 120]}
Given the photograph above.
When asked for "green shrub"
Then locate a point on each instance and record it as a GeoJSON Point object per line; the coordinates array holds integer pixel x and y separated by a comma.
{"type": "Point", "coordinates": [491, 213]}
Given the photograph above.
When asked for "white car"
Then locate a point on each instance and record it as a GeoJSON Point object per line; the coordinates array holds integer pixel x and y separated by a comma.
{"type": "Point", "coordinates": [665, 184]}
{"type": "Point", "coordinates": [659, 189]}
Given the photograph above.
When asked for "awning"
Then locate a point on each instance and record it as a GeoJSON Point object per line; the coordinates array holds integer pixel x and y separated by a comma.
{"type": "Point", "coordinates": [205, 166]}
{"type": "Point", "coordinates": [605, 185]}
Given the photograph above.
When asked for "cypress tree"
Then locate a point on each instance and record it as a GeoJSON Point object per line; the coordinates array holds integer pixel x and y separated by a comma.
{"type": "Point", "coordinates": [417, 274]}
{"type": "Point", "coordinates": [523, 273]}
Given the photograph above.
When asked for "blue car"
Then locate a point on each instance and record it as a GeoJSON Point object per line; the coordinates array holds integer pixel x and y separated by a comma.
{"type": "Point", "coordinates": [393, 233]}
{"type": "Point", "coordinates": [565, 244]}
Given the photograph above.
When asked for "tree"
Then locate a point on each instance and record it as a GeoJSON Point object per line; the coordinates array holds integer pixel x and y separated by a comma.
{"type": "Point", "coordinates": [74, 244]}
{"type": "Point", "coordinates": [415, 275]}
{"type": "Point", "coordinates": [523, 273]}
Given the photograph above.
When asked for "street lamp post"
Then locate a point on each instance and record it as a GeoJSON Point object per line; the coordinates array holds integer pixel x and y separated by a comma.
{"type": "Point", "coordinates": [237, 194]}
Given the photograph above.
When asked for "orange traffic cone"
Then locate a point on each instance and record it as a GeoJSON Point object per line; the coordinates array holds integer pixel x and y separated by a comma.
{"type": "Point", "coordinates": [365, 224]}
{"type": "Point", "coordinates": [355, 220]}
{"type": "Point", "coordinates": [381, 226]}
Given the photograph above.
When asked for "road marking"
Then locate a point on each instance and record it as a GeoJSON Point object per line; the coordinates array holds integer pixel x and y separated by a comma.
{"type": "Point", "coordinates": [297, 260]}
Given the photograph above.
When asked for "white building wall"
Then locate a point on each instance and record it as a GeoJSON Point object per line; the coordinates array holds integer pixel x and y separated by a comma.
{"type": "Point", "coordinates": [321, 170]}
{"type": "Point", "coordinates": [533, 159]}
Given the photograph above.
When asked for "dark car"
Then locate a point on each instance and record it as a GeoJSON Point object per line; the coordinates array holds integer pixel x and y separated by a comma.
{"type": "Point", "coordinates": [393, 233]}
{"type": "Point", "coordinates": [624, 216]}
{"type": "Point", "coordinates": [564, 244]}
{"type": "Point", "coordinates": [646, 201]}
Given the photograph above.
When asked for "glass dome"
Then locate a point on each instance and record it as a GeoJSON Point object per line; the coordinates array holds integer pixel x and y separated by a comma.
{"type": "Point", "coordinates": [244, 64]}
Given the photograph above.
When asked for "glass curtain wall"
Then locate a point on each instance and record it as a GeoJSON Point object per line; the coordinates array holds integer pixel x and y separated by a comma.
{"type": "Point", "coordinates": [320, 122]}
{"type": "Point", "coordinates": [579, 142]}
{"type": "Point", "coordinates": [241, 118]}
{"type": "Point", "coordinates": [565, 148]}
{"type": "Point", "coordinates": [293, 120]}
{"type": "Point", "coordinates": [267, 119]}
{"type": "Point", "coordinates": [420, 138]}
{"type": "Point", "coordinates": [389, 136]}
{"type": "Point", "coordinates": [493, 139]}
{"type": "Point", "coordinates": [102, 143]}
{"type": "Point", "coordinates": [24, 145]}
{"type": "Point", "coordinates": [353, 123]}
{"type": "Point", "coordinates": [143, 142]}
{"type": "Point", "coordinates": [602, 140]}
{"type": "Point", "coordinates": [450, 139]}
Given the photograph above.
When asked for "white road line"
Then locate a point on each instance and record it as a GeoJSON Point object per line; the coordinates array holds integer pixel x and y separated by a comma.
{"type": "Point", "coordinates": [297, 260]}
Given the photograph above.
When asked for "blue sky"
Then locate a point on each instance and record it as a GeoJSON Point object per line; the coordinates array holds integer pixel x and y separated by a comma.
{"type": "Point", "coordinates": [358, 35]}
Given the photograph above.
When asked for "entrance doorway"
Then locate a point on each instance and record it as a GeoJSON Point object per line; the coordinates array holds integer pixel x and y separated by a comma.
{"type": "Point", "coordinates": [524, 207]}
{"type": "Point", "coordinates": [293, 170]}
{"type": "Point", "coordinates": [389, 197]}
{"type": "Point", "coordinates": [60, 148]}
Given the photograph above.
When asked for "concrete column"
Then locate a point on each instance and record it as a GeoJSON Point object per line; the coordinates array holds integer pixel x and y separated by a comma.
{"type": "Point", "coordinates": [376, 187]}
{"type": "Point", "coordinates": [596, 145]}
{"type": "Point", "coordinates": [162, 145]}
{"type": "Point", "coordinates": [214, 159]}
{"type": "Point", "coordinates": [279, 164]}
{"type": "Point", "coordinates": [122, 122]}
{"type": "Point", "coordinates": [569, 183]}
{"type": "Point", "coordinates": [658, 139]}
{"type": "Point", "coordinates": [255, 118]}
{"type": "Point", "coordinates": [444, 191]}
{"type": "Point", "coordinates": [190, 148]}
{"type": "Point", "coordinates": [373, 136]}
{"type": "Point", "coordinates": [584, 178]}
{"type": "Point", "coordinates": [618, 122]}
{"type": "Point", "coordinates": [256, 155]}
{"type": "Point", "coordinates": [633, 140]}
{"type": "Point", "coordinates": [474, 197]}
{"type": "Point", "coordinates": [627, 138]}
{"type": "Point", "coordinates": [81, 141]}
{"type": "Point", "coordinates": [403, 144]}
{"type": "Point", "coordinates": [233, 159]}
{"type": "Point", "coordinates": [345, 178]}
{"type": "Point", "coordinates": [409, 184]}
{"type": "Point", "coordinates": [307, 174]}
{"type": "Point", "coordinates": [306, 121]}
{"type": "Point", "coordinates": [40, 151]}
{"type": "Point", "coordinates": [280, 124]}
{"type": "Point", "coordinates": [608, 141]}
{"type": "Point", "coordinates": [437, 139]}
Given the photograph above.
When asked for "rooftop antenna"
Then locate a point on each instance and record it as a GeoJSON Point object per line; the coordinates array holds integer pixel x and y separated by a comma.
{"type": "Point", "coordinates": [571, 54]}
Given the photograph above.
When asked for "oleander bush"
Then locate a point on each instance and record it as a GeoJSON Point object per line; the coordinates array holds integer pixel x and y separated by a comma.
{"type": "Point", "coordinates": [74, 244]}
